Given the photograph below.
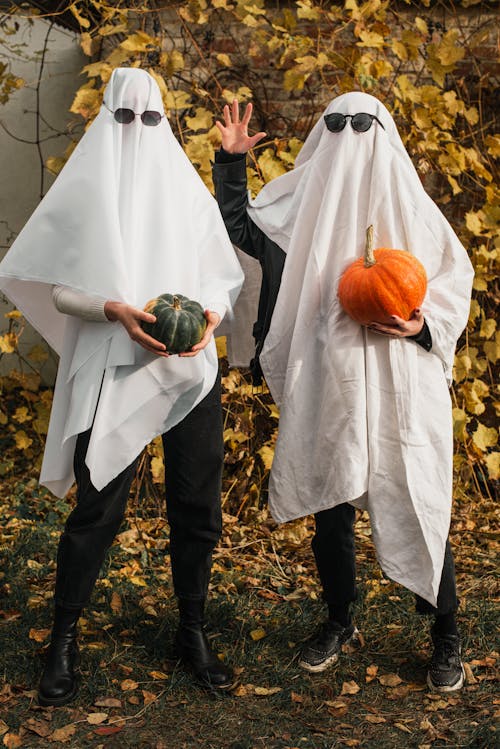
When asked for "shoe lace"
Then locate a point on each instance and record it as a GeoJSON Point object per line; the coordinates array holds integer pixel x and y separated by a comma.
{"type": "Point", "coordinates": [444, 650]}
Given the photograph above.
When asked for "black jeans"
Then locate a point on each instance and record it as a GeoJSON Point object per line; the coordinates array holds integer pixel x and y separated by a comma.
{"type": "Point", "coordinates": [334, 551]}
{"type": "Point", "coordinates": [193, 473]}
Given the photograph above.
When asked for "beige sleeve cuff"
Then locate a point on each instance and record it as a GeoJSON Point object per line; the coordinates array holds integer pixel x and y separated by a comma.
{"type": "Point", "coordinates": [76, 303]}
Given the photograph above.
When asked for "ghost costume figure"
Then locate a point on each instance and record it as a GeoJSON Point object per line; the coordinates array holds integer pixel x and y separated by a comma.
{"type": "Point", "coordinates": [127, 219]}
{"type": "Point", "coordinates": [365, 412]}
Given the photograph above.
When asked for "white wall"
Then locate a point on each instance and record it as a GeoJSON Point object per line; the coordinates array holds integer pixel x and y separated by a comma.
{"type": "Point", "coordinates": [19, 162]}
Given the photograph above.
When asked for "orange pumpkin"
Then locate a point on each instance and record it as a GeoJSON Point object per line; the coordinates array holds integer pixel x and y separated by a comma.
{"type": "Point", "coordinates": [384, 282]}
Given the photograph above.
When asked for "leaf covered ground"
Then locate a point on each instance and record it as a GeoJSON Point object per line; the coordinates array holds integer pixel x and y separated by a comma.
{"type": "Point", "coordinates": [264, 600]}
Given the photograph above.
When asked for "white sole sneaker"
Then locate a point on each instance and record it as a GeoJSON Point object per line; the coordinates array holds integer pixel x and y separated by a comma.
{"type": "Point", "coordinates": [454, 688]}
{"type": "Point", "coordinates": [332, 660]}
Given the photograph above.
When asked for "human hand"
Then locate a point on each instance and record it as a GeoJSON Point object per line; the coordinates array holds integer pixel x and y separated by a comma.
{"type": "Point", "coordinates": [400, 328]}
{"type": "Point", "coordinates": [130, 317]}
{"type": "Point", "coordinates": [235, 138]}
{"type": "Point", "coordinates": [213, 319]}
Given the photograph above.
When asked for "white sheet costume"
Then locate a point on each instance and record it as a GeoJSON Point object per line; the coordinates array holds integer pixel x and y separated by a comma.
{"type": "Point", "coordinates": [127, 219]}
{"type": "Point", "coordinates": [364, 418]}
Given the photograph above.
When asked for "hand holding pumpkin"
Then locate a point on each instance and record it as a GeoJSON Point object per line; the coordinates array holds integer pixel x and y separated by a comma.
{"type": "Point", "coordinates": [131, 317]}
{"type": "Point", "coordinates": [213, 320]}
{"type": "Point", "coordinates": [400, 328]}
{"type": "Point", "coordinates": [235, 138]}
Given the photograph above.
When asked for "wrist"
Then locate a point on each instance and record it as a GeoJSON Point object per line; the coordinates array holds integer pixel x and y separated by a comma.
{"type": "Point", "coordinates": [111, 310]}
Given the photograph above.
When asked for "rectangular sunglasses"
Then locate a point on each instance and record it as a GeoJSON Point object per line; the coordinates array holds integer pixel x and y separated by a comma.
{"type": "Point", "coordinates": [360, 122]}
{"type": "Point", "coordinates": [125, 116]}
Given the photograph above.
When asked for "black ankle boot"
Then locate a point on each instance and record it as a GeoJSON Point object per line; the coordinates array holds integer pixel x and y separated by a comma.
{"type": "Point", "coordinates": [194, 649]}
{"type": "Point", "coordinates": [59, 683]}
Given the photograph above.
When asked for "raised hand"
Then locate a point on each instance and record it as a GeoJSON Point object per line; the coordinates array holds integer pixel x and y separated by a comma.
{"type": "Point", "coordinates": [235, 138]}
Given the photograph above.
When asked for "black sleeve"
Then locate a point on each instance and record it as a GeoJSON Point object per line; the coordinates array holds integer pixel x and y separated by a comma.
{"type": "Point", "coordinates": [423, 338]}
{"type": "Point", "coordinates": [230, 182]}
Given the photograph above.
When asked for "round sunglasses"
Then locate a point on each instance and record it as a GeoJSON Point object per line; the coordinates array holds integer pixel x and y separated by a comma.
{"type": "Point", "coordinates": [125, 116]}
{"type": "Point", "coordinates": [360, 122]}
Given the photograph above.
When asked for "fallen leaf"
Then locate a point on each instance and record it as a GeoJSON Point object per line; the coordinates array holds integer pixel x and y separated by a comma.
{"type": "Point", "coordinates": [3, 727]}
{"type": "Point", "coordinates": [469, 676]}
{"type": "Point", "coordinates": [266, 690]}
{"type": "Point", "coordinates": [158, 675]}
{"type": "Point", "coordinates": [349, 687]}
{"type": "Point", "coordinates": [107, 702]}
{"type": "Point", "coordinates": [128, 685]}
{"type": "Point", "coordinates": [371, 672]}
{"type": "Point", "coordinates": [149, 697]}
{"type": "Point", "coordinates": [402, 727]}
{"type": "Point", "coordinates": [296, 697]}
{"type": "Point", "coordinates": [64, 733]}
{"type": "Point", "coordinates": [108, 730]}
{"type": "Point", "coordinates": [12, 740]}
{"type": "Point", "coordinates": [95, 718]}
{"type": "Point", "coordinates": [390, 680]}
{"type": "Point", "coordinates": [257, 634]}
{"type": "Point", "coordinates": [375, 719]}
{"type": "Point", "coordinates": [40, 727]}
{"type": "Point", "coordinates": [39, 635]}
{"type": "Point", "coordinates": [116, 603]}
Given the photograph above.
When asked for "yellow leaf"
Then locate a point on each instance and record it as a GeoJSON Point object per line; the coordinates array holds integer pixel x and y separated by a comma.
{"type": "Point", "coordinates": [95, 718]}
{"type": "Point", "coordinates": [101, 68]}
{"type": "Point", "coordinates": [492, 349]}
{"type": "Point", "coordinates": [22, 414]}
{"type": "Point", "coordinates": [461, 367]}
{"type": "Point", "coordinates": [221, 344]}
{"type": "Point", "coordinates": [13, 314]}
{"type": "Point", "coordinates": [38, 354]}
{"type": "Point", "coordinates": [474, 392]}
{"type": "Point", "coordinates": [460, 421]}
{"type": "Point", "coordinates": [492, 461]}
{"type": "Point", "coordinates": [488, 327]}
{"type": "Point", "coordinates": [242, 94]}
{"type": "Point", "coordinates": [139, 42]}
{"type": "Point", "coordinates": [399, 50]}
{"type": "Point", "coordinates": [370, 39]}
{"type": "Point", "coordinates": [172, 62]}
{"type": "Point", "coordinates": [349, 687]}
{"type": "Point", "coordinates": [257, 634]}
{"type": "Point", "coordinates": [223, 59]}
{"type": "Point", "coordinates": [158, 470]}
{"type": "Point", "coordinates": [110, 28]}
{"type": "Point", "coordinates": [294, 79]}
{"type": "Point", "coordinates": [86, 102]}
{"type": "Point", "coordinates": [22, 440]}
{"type": "Point", "coordinates": [84, 22]}
{"type": "Point", "coordinates": [307, 11]}
{"type": "Point", "coordinates": [473, 222]}
{"type": "Point", "coordinates": [448, 52]}
{"type": "Point", "coordinates": [54, 164]}
{"type": "Point", "coordinates": [485, 437]}
{"type": "Point", "coordinates": [8, 343]}
{"type": "Point", "coordinates": [421, 26]}
{"type": "Point", "coordinates": [493, 144]}
{"type": "Point", "coordinates": [267, 455]}
{"type": "Point", "coordinates": [202, 120]}
{"type": "Point", "coordinates": [177, 100]}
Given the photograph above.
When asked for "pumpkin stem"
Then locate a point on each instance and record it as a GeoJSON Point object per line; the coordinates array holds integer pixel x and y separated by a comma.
{"type": "Point", "coordinates": [369, 256]}
{"type": "Point", "coordinates": [177, 303]}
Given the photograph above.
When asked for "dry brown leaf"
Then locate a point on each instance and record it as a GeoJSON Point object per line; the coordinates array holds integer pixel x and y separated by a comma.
{"type": "Point", "coordinates": [149, 697]}
{"type": "Point", "coordinates": [371, 672]}
{"type": "Point", "coordinates": [96, 718]}
{"type": "Point", "coordinates": [257, 634]}
{"type": "Point", "coordinates": [158, 675]}
{"type": "Point", "coordinates": [108, 730]}
{"type": "Point", "coordinates": [375, 719]}
{"type": "Point", "coordinates": [40, 727]}
{"type": "Point", "coordinates": [107, 702]}
{"type": "Point", "coordinates": [402, 727]}
{"type": "Point", "coordinates": [64, 733]}
{"type": "Point", "coordinates": [128, 685]}
{"type": "Point", "coordinates": [350, 687]}
{"type": "Point", "coordinates": [263, 691]}
{"type": "Point", "coordinates": [296, 697]}
{"type": "Point", "coordinates": [390, 680]}
{"type": "Point", "coordinates": [39, 635]}
{"type": "Point", "coordinates": [3, 727]}
{"type": "Point", "coordinates": [116, 603]}
{"type": "Point", "coordinates": [12, 740]}
{"type": "Point", "coordinates": [469, 676]}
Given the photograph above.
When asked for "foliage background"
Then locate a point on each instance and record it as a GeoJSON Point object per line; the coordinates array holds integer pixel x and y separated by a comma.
{"type": "Point", "coordinates": [434, 66]}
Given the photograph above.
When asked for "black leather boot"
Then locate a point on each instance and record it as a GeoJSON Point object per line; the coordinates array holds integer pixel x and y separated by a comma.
{"type": "Point", "coordinates": [194, 649]}
{"type": "Point", "coordinates": [59, 683]}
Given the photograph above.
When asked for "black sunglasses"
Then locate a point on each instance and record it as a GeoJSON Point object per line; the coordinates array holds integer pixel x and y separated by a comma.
{"type": "Point", "coordinates": [360, 122]}
{"type": "Point", "coordinates": [126, 116]}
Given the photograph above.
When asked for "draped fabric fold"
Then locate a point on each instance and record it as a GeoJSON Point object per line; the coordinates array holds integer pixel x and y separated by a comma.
{"type": "Point", "coordinates": [363, 418]}
{"type": "Point", "coordinates": [128, 218]}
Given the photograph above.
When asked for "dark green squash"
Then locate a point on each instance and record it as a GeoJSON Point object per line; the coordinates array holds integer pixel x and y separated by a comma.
{"type": "Point", "coordinates": [180, 322]}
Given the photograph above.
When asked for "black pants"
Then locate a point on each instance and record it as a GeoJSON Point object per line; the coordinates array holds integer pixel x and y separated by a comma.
{"type": "Point", "coordinates": [334, 551]}
{"type": "Point", "coordinates": [193, 472]}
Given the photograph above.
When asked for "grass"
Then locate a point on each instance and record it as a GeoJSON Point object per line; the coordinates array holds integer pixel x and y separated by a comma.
{"type": "Point", "coordinates": [264, 601]}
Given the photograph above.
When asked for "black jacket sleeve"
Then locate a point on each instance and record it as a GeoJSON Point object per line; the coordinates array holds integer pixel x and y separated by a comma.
{"type": "Point", "coordinates": [230, 182]}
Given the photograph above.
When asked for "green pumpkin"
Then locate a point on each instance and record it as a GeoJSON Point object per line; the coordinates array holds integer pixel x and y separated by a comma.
{"type": "Point", "coordinates": [180, 322]}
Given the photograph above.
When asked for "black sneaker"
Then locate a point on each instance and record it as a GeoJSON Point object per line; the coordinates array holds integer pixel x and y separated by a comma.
{"type": "Point", "coordinates": [446, 672]}
{"type": "Point", "coordinates": [323, 649]}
